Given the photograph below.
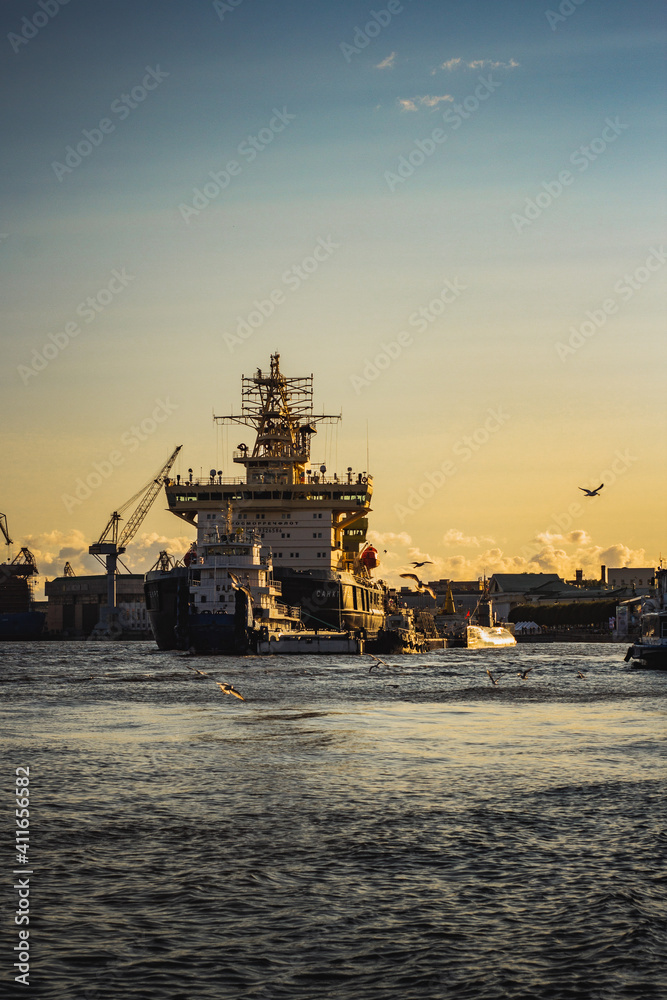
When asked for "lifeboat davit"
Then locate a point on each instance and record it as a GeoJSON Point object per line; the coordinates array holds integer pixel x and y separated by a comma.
{"type": "Point", "coordinates": [369, 557]}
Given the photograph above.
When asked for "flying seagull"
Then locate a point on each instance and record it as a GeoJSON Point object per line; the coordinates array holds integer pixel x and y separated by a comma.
{"type": "Point", "coordinates": [427, 562]}
{"type": "Point", "coordinates": [492, 678]}
{"type": "Point", "coordinates": [579, 674]}
{"type": "Point", "coordinates": [202, 673]}
{"type": "Point", "coordinates": [524, 674]}
{"type": "Point", "coordinates": [591, 493]}
{"type": "Point", "coordinates": [228, 689]}
{"type": "Point", "coordinates": [237, 585]}
{"type": "Point", "coordinates": [421, 587]}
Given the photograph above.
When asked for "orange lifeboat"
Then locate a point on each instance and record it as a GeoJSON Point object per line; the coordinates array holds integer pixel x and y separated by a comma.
{"type": "Point", "coordinates": [369, 557]}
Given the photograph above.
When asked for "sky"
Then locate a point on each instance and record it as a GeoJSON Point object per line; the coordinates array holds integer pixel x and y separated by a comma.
{"type": "Point", "coordinates": [450, 213]}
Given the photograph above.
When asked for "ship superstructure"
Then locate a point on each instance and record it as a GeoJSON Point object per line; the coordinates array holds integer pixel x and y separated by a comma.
{"type": "Point", "coordinates": [313, 523]}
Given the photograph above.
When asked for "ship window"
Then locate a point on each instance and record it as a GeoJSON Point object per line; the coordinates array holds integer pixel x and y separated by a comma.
{"type": "Point", "coordinates": [216, 496]}
{"type": "Point", "coordinates": [204, 496]}
{"type": "Point", "coordinates": [202, 599]}
{"type": "Point", "coordinates": [354, 598]}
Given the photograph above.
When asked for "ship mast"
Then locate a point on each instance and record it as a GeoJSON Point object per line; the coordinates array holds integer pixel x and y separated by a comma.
{"type": "Point", "coordinates": [280, 409]}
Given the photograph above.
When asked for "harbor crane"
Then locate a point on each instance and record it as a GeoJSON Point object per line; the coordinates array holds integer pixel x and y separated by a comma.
{"type": "Point", "coordinates": [113, 542]}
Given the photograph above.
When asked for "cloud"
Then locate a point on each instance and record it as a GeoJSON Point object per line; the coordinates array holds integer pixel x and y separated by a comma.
{"type": "Point", "coordinates": [423, 100]}
{"type": "Point", "coordinates": [54, 548]}
{"type": "Point", "coordinates": [459, 63]}
{"type": "Point", "coordinates": [561, 554]}
{"type": "Point", "coordinates": [387, 63]}
{"type": "Point", "coordinates": [455, 537]}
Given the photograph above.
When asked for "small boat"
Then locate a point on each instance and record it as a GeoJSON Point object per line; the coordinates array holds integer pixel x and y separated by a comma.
{"type": "Point", "coordinates": [479, 630]}
{"type": "Point", "coordinates": [650, 650]}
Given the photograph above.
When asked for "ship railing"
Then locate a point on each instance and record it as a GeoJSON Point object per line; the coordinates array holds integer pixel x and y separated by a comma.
{"type": "Point", "coordinates": [346, 479]}
{"type": "Point", "coordinates": [223, 562]}
{"type": "Point", "coordinates": [287, 611]}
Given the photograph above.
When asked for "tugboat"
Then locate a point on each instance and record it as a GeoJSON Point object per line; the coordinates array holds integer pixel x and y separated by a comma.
{"type": "Point", "coordinates": [226, 600]}
{"type": "Point", "coordinates": [650, 650]}
{"type": "Point", "coordinates": [18, 618]}
{"type": "Point", "coordinates": [478, 630]}
{"type": "Point", "coordinates": [309, 529]}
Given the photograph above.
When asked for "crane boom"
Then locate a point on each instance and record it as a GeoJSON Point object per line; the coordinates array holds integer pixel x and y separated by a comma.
{"type": "Point", "coordinates": [147, 493]}
{"type": "Point", "coordinates": [111, 546]}
{"type": "Point", "coordinates": [4, 528]}
{"type": "Point", "coordinates": [148, 500]}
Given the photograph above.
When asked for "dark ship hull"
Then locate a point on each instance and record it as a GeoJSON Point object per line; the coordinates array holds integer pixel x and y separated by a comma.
{"type": "Point", "coordinates": [21, 626]}
{"type": "Point", "coordinates": [177, 625]}
{"type": "Point", "coordinates": [337, 602]}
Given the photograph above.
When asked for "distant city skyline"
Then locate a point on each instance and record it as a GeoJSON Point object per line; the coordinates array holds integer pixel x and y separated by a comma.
{"type": "Point", "coordinates": [451, 214]}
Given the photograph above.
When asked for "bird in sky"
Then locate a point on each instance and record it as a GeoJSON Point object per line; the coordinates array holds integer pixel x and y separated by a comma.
{"type": "Point", "coordinates": [229, 689]}
{"type": "Point", "coordinates": [427, 562]}
{"type": "Point", "coordinates": [591, 493]}
{"type": "Point", "coordinates": [202, 673]}
{"type": "Point", "coordinates": [377, 661]}
{"type": "Point", "coordinates": [492, 678]}
{"type": "Point", "coordinates": [524, 674]}
{"type": "Point", "coordinates": [237, 585]}
{"type": "Point", "coordinates": [422, 588]}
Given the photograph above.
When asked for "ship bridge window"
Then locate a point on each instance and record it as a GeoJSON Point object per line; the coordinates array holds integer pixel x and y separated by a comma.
{"type": "Point", "coordinates": [204, 496]}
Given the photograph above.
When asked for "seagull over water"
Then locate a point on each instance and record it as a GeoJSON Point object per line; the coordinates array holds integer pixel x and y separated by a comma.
{"type": "Point", "coordinates": [524, 674]}
{"type": "Point", "coordinates": [591, 493]}
{"type": "Point", "coordinates": [421, 587]}
{"type": "Point", "coordinates": [492, 678]}
{"type": "Point", "coordinates": [229, 689]}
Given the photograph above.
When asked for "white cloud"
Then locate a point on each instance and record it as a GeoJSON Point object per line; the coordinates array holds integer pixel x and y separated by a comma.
{"type": "Point", "coordinates": [387, 63]}
{"type": "Point", "coordinates": [423, 100]}
{"type": "Point", "coordinates": [455, 537]}
{"type": "Point", "coordinates": [459, 63]}
{"type": "Point", "coordinates": [54, 548]}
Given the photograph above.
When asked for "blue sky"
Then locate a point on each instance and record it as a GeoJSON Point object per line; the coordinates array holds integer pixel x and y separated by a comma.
{"type": "Point", "coordinates": [325, 176]}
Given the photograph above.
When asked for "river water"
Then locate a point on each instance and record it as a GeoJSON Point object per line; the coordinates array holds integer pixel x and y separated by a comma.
{"type": "Point", "coordinates": [412, 831]}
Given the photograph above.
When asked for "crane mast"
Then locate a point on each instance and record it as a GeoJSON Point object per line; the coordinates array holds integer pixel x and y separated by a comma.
{"type": "Point", "coordinates": [113, 542]}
